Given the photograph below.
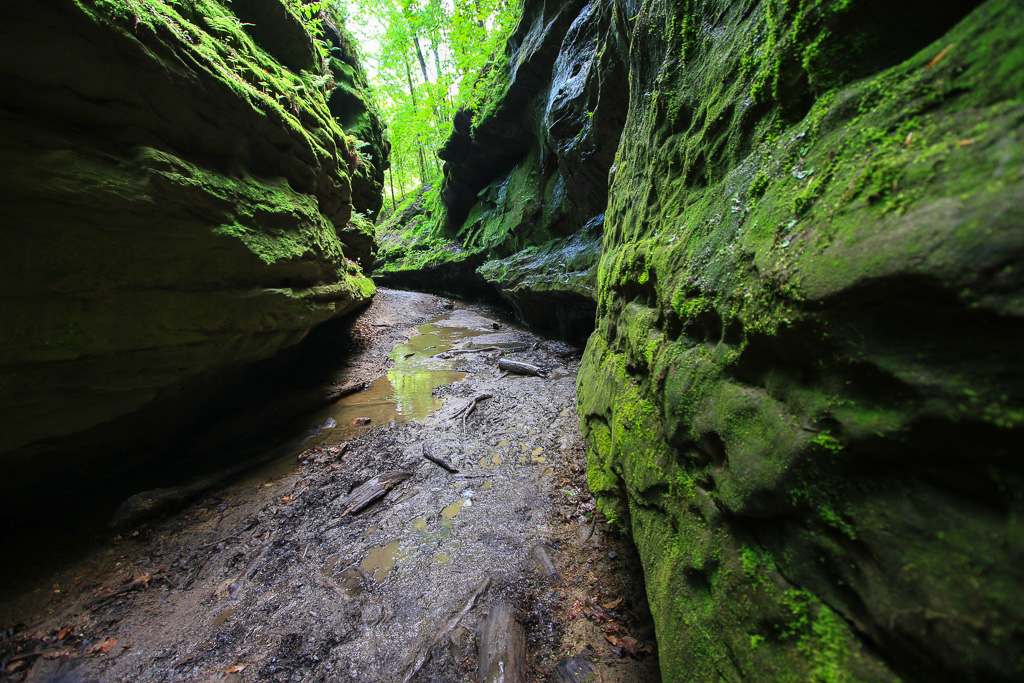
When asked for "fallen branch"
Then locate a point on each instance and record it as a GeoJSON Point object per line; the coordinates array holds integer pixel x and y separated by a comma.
{"type": "Point", "coordinates": [136, 585]}
{"type": "Point", "coordinates": [452, 623]}
{"type": "Point", "coordinates": [455, 352]}
{"type": "Point", "coordinates": [471, 404]}
{"type": "Point", "coordinates": [540, 555]}
{"type": "Point", "coordinates": [520, 368]}
{"type": "Point", "coordinates": [440, 462]}
{"type": "Point", "coordinates": [471, 407]}
{"type": "Point", "coordinates": [346, 389]}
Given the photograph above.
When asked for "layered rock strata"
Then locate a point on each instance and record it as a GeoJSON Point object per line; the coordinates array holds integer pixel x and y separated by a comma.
{"type": "Point", "coordinates": [177, 200]}
{"type": "Point", "coordinates": [803, 397]}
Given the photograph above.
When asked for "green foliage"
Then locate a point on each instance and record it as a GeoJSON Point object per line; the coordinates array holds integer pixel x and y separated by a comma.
{"type": "Point", "coordinates": [427, 59]}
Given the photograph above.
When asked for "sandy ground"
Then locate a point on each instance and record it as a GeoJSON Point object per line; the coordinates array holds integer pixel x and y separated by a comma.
{"type": "Point", "coordinates": [271, 580]}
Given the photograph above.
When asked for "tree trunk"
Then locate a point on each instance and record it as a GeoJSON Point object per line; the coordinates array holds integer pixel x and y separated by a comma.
{"type": "Point", "coordinates": [412, 94]}
{"type": "Point", "coordinates": [419, 55]}
{"type": "Point", "coordinates": [391, 178]}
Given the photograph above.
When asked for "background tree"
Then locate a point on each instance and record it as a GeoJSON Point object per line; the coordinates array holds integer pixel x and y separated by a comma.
{"type": "Point", "coordinates": [425, 59]}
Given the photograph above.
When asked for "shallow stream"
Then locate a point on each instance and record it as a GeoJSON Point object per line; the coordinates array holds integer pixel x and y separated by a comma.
{"type": "Point", "coordinates": [406, 392]}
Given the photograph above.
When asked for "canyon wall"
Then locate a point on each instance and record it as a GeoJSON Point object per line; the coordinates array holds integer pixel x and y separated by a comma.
{"type": "Point", "coordinates": [525, 179]}
{"type": "Point", "coordinates": [802, 397]}
{"type": "Point", "coordinates": [178, 197]}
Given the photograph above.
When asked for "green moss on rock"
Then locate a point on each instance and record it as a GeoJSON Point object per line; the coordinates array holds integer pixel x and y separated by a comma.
{"type": "Point", "coordinates": [802, 398]}
{"type": "Point", "coordinates": [177, 197]}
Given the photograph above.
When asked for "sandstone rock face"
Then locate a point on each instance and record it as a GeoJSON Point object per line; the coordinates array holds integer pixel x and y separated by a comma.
{"type": "Point", "coordinates": [803, 396]}
{"type": "Point", "coordinates": [531, 170]}
{"type": "Point", "coordinates": [176, 204]}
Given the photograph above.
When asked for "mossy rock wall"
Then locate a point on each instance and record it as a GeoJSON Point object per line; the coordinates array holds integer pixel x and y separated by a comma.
{"type": "Point", "coordinates": [803, 398]}
{"type": "Point", "coordinates": [177, 200]}
{"type": "Point", "coordinates": [530, 170]}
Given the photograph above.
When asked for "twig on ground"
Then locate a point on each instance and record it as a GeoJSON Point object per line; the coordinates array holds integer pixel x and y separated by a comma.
{"type": "Point", "coordinates": [437, 460]}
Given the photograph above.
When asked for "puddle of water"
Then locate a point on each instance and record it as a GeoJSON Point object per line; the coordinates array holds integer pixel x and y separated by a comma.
{"type": "Point", "coordinates": [381, 560]}
{"type": "Point", "coordinates": [420, 524]}
{"type": "Point", "coordinates": [405, 393]}
{"type": "Point", "coordinates": [454, 509]}
{"type": "Point", "coordinates": [332, 563]}
{"type": "Point", "coordinates": [222, 617]}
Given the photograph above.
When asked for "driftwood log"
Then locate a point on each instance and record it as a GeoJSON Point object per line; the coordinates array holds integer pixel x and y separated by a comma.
{"type": "Point", "coordinates": [574, 670]}
{"type": "Point", "coordinates": [446, 629]}
{"type": "Point", "coordinates": [519, 368]}
{"type": "Point", "coordinates": [456, 352]}
{"type": "Point", "coordinates": [374, 489]}
{"type": "Point", "coordinates": [501, 644]}
{"type": "Point", "coordinates": [437, 460]}
{"type": "Point", "coordinates": [540, 555]}
{"type": "Point", "coordinates": [345, 390]}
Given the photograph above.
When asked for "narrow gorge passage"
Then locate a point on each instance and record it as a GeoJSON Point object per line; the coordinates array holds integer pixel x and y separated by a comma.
{"type": "Point", "coordinates": [782, 240]}
{"type": "Point", "coordinates": [268, 579]}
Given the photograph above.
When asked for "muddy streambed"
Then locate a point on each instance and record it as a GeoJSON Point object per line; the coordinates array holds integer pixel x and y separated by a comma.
{"type": "Point", "coordinates": [269, 579]}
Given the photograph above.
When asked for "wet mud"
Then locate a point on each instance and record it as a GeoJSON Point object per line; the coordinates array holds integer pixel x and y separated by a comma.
{"type": "Point", "coordinates": [269, 579]}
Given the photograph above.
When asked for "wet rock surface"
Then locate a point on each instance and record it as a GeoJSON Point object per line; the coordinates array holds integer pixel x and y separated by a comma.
{"type": "Point", "coordinates": [270, 580]}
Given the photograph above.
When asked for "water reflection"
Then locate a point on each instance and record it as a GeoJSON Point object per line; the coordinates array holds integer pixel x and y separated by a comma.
{"type": "Point", "coordinates": [406, 391]}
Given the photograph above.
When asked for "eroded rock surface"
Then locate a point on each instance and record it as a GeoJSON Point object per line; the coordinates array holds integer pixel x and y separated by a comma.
{"type": "Point", "coordinates": [530, 172]}
{"type": "Point", "coordinates": [803, 395]}
{"type": "Point", "coordinates": [177, 201]}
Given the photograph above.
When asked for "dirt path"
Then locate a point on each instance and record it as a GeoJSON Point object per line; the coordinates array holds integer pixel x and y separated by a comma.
{"type": "Point", "coordinates": [272, 581]}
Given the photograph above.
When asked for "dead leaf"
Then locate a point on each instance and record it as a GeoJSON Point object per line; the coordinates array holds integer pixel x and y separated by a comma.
{"type": "Point", "coordinates": [65, 632]}
{"type": "Point", "coordinates": [144, 579]}
{"type": "Point", "coordinates": [104, 647]}
{"type": "Point", "coordinates": [235, 669]}
{"type": "Point", "coordinates": [614, 604]}
{"type": "Point", "coordinates": [286, 499]}
{"type": "Point", "coordinates": [630, 645]}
